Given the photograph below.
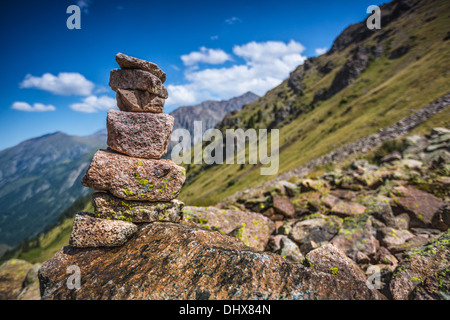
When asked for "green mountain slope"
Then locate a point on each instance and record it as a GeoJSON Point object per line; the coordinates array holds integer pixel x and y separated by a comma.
{"type": "Point", "coordinates": [368, 80]}
{"type": "Point", "coordinates": [43, 246]}
{"type": "Point", "coordinates": [39, 179]}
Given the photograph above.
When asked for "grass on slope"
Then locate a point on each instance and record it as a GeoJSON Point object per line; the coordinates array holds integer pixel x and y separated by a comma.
{"type": "Point", "coordinates": [387, 91]}
{"type": "Point", "coordinates": [45, 246]}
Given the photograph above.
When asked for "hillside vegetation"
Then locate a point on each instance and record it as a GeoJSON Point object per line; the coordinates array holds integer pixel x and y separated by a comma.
{"type": "Point", "coordinates": [39, 179]}
{"type": "Point", "coordinates": [368, 80]}
{"type": "Point", "coordinates": [43, 246]}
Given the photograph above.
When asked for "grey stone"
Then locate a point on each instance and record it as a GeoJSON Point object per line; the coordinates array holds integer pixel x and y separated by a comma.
{"type": "Point", "coordinates": [127, 62]}
{"type": "Point", "coordinates": [135, 79]}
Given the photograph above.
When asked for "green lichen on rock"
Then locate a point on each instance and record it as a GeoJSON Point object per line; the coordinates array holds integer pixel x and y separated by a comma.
{"type": "Point", "coordinates": [126, 191]}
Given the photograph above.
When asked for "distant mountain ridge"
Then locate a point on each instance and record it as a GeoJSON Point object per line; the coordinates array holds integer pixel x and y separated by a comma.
{"type": "Point", "coordinates": [210, 112]}
{"type": "Point", "coordinates": [39, 179]}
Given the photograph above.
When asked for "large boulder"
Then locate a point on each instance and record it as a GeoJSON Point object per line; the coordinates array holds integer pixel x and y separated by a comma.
{"type": "Point", "coordinates": [18, 280]}
{"type": "Point", "coordinates": [434, 287]}
{"type": "Point", "coordinates": [251, 228]}
{"type": "Point", "coordinates": [30, 286]}
{"type": "Point", "coordinates": [420, 264]}
{"type": "Point", "coordinates": [12, 275]}
{"type": "Point", "coordinates": [134, 178]}
{"type": "Point", "coordinates": [173, 261]}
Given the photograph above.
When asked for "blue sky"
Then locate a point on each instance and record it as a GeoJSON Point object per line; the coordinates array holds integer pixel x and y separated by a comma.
{"type": "Point", "coordinates": [56, 79]}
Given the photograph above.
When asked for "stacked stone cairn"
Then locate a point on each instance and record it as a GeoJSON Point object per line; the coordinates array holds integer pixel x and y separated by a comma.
{"type": "Point", "coordinates": [133, 184]}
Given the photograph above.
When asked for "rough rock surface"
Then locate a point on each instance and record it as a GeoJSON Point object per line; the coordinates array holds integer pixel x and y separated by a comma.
{"type": "Point", "coordinates": [331, 260]}
{"type": "Point", "coordinates": [251, 228]}
{"type": "Point", "coordinates": [420, 263]}
{"type": "Point", "coordinates": [30, 286]}
{"type": "Point", "coordinates": [391, 237]}
{"type": "Point", "coordinates": [137, 80]}
{"type": "Point", "coordinates": [284, 206]}
{"type": "Point", "coordinates": [173, 261]}
{"type": "Point", "coordinates": [127, 62]}
{"type": "Point", "coordinates": [433, 287]}
{"type": "Point", "coordinates": [421, 206]}
{"type": "Point", "coordinates": [312, 233]}
{"type": "Point", "coordinates": [134, 178]}
{"type": "Point", "coordinates": [347, 208]}
{"type": "Point", "coordinates": [107, 206]}
{"type": "Point", "coordinates": [13, 274]}
{"type": "Point", "coordinates": [139, 134]}
{"type": "Point", "coordinates": [285, 247]}
{"type": "Point", "coordinates": [441, 220]}
{"type": "Point", "coordinates": [360, 241]}
{"type": "Point", "coordinates": [139, 101]}
{"type": "Point", "coordinates": [89, 231]}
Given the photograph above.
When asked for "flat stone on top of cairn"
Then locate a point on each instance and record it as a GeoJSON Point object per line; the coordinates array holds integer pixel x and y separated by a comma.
{"type": "Point", "coordinates": [139, 134]}
{"type": "Point", "coordinates": [134, 178]}
{"type": "Point", "coordinates": [127, 62]}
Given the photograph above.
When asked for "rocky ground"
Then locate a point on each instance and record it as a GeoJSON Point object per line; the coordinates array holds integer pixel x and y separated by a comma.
{"type": "Point", "coordinates": [19, 280]}
{"type": "Point", "coordinates": [364, 231]}
{"type": "Point", "coordinates": [392, 217]}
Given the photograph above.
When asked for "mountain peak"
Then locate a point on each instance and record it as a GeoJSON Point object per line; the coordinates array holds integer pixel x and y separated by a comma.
{"type": "Point", "coordinates": [210, 112]}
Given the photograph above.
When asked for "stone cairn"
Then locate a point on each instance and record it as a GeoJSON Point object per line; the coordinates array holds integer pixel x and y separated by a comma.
{"type": "Point", "coordinates": [134, 185]}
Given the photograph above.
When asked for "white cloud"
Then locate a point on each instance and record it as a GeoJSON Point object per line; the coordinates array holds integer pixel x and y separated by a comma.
{"type": "Point", "coordinates": [320, 51]}
{"type": "Point", "coordinates": [181, 95]}
{"type": "Point", "coordinates": [94, 104]}
{"type": "Point", "coordinates": [84, 5]}
{"type": "Point", "coordinates": [65, 83]}
{"type": "Point", "coordinates": [233, 20]}
{"type": "Point", "coordinates": [36, 107]}
{"type": "Point", "coordinates": [214, 37]}
{"type": "Point", "coordinates": [205, 55]}
{"type": "Point", "coordinates": [266, 65]}
{"type": "Point", "coordinates": [265, 52]}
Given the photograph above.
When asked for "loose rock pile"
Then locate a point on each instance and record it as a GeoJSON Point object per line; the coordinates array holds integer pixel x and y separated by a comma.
{"type": "Point", "coordinates": [134, 185]}
{"type": "Point", "coordinates": [391, 215]}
